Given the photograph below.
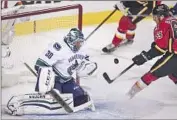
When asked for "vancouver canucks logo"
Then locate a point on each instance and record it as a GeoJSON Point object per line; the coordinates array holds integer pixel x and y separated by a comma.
{"type": "Point", "coordinates": [57, 46]}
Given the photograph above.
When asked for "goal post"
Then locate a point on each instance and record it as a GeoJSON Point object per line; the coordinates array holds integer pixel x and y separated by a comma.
{"type": "Point", "coordinates": [52, 18]}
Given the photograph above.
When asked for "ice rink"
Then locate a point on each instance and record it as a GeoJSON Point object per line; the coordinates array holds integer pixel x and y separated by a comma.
{"type": "Point", "coordinates": [157, 101]}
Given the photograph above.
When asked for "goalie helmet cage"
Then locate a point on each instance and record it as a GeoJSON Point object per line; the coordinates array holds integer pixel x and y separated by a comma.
{"type": "Point", "coordinates": [46, 10]}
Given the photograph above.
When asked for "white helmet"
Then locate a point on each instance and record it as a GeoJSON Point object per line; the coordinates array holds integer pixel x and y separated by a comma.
{"type": "Point", "coordinates": [74, 37]}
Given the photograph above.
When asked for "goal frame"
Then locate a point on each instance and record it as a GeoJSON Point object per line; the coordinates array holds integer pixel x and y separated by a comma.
{"type": "Point", "coordinates": [49, 10]}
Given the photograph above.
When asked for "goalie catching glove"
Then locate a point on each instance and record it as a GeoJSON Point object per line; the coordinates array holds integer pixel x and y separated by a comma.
{"type": "Point", "coordinates": [86, 68]}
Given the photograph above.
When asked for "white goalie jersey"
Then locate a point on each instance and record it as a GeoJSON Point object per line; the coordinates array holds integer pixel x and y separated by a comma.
{"type": "Point", "coordinates": [65, 62]}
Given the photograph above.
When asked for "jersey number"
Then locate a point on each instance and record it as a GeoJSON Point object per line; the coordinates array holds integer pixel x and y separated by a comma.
{"type": "Point", "coordinates": [73, 67]}
{"type": "Point", "coordinates": [174, 27]}
{"type": "Point", "coordinates": [49, 54]}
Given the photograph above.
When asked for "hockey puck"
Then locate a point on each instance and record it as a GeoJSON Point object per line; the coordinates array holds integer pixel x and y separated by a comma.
{"type": "Point", "coordinates": [116, 61]}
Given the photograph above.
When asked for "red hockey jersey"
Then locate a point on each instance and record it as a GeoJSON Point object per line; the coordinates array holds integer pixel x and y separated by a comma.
{"type": "Point", "coordinates": [165, 35]}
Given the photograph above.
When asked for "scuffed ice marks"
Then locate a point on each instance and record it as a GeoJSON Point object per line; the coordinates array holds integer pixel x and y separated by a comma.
{"type": "Point", "coordinates": [112, 109]}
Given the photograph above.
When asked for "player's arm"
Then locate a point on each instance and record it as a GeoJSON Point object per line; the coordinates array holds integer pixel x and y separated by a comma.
{"type": "Point", "coordinates": [49, 57]}
{"type": "Point", "coordinates": [158, 47]}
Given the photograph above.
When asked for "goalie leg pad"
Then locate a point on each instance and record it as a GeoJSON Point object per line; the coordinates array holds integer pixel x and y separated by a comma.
{"type": "Point", "coordinates": [36, 103]}
{"type": "Point", "coordinates": [45, 79]}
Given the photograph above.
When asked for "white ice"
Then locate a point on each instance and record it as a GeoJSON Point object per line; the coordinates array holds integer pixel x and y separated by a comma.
{"type": "Point", "coordinates": [157, 101]}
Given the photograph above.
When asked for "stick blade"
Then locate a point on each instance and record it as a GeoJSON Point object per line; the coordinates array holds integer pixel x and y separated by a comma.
{"type": "Point", "coordinates": [107, 78]}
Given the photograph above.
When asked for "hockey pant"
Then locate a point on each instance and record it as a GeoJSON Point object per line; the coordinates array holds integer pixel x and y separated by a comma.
{"type": "Point", "coordinates": [79, 95]}
{"type": "Point", "coordinates": [125, 30]}
{"type": "Point", "coordinates": [127, 24]}
{"type": "Point", "coordinates": [165, 66]}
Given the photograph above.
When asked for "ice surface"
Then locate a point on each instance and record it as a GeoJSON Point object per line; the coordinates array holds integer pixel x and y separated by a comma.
{"type": "Point", "coordinates": [157, 101]}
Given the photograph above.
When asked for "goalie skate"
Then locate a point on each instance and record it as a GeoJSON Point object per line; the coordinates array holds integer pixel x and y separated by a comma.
{"type": "Point", "coordinates": [111, 47]}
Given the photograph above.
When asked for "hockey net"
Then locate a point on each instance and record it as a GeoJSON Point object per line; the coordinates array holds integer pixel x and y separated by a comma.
{"type": "Point", "coordinates": [43, 17]}
{"type": "Point", "coordinates": [35, 27]}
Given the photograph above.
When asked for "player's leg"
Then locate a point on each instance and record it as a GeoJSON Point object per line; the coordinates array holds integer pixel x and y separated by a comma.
{"type": "Point", "coordinates": [173, 77]}
{"type": "Point", "coordinates": [120, 34]}
{"type": "Point", "coordinates": [80, 96]}
{"type": "Point", "coordinates": [163, 67]}
{"type": "Point", "coordinates": [139, 13]}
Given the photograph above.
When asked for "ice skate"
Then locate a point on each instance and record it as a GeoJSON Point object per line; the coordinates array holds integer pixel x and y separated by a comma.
{"type": "Point", "coordinates": [111, 47]}
{"type": "Point", "coordinates": [136, 88]}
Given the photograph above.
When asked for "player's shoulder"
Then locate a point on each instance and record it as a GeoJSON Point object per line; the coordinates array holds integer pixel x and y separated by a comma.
{"type": "Point", "coordinates": [57, 46]}
{"type": "Point", "coordinates": [54, 47]}
{"type": "Point", "coordinates": [166, 22]}
{"type": "Point", "coordinates": [169, 20]}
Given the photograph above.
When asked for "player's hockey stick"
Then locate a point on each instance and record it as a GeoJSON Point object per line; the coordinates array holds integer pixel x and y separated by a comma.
{"type": "Point", "coordinates": [107, 78]}
{"type": "Point", "coordinates": [60, 100]}
{"type": "Point", "coordinates": [101, 23]}
{"type": "Point", "coordinates": [53, 93]}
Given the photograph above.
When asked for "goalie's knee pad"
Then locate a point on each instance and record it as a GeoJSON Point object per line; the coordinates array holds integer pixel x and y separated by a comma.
{"type": "Point", "coordinates": [45, 79]}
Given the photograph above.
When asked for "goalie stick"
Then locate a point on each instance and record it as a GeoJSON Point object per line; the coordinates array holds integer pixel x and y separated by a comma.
{"type": "Point", "coordinates": [53, 93]}
{"type": "Point", "coordinates": [107, 78]}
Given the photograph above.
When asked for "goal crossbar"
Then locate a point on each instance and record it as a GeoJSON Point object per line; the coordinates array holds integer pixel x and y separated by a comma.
{"type": "Point", "coordinates": [48, 10]}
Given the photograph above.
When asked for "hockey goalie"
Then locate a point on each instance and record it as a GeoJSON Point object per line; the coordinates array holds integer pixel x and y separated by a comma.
{"type": "Point", "coordinates": [57, 91]}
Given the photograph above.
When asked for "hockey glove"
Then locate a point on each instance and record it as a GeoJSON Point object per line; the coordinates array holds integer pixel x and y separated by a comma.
{"type": "Point", "coordinates": [141, 58]}
{"type": "Point", "coordinates": [119, 6]}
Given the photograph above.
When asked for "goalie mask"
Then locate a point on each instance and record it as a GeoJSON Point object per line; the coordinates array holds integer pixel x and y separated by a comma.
{"type": "Point", "coordinates": [74, 39]}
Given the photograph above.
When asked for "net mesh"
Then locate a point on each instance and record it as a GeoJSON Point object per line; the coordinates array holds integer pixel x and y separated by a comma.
{"type": "Point", "coordinates": [42, 18]}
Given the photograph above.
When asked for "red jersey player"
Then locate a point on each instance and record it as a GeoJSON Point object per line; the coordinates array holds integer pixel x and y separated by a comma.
{"type": "Point", "coordinates": [165, 35]}
{"type": "Point", "coordinates": [137, 11]}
